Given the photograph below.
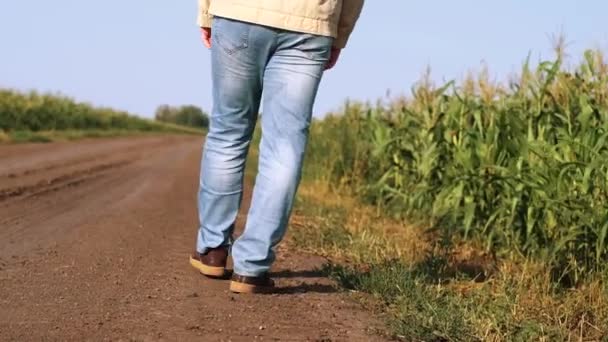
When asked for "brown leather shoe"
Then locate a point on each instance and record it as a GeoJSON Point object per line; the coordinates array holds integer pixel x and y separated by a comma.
{"type": "Point", "coordinates": [212, 263]}
{"type": "Point", "coordinates": [243, 284]}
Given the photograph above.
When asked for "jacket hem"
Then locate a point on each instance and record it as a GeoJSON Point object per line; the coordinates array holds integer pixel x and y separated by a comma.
{"type": "Point", "coordinates": [278, 20]}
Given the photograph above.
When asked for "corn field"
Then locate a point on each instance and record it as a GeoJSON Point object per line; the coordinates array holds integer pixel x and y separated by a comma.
{"type": "Point", "coordinates": [521, 168]}
{"type": "Point", "coordinates": [44, 112]}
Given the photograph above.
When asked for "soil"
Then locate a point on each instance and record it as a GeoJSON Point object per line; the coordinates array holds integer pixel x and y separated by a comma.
{"type": "Point", "coordinates": [94, 244]}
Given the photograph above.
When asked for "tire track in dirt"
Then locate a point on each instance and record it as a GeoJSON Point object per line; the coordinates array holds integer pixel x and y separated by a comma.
{"type": "Point", "coordinates": [54, 184]}
{"type": "Point", "coordinates": [105, 258]}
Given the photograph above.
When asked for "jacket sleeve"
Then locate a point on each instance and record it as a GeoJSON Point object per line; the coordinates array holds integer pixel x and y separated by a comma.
{"type": "Point", "coordinates": [351, 9]}
{"type": "Point", "coordinates": [204, 18]}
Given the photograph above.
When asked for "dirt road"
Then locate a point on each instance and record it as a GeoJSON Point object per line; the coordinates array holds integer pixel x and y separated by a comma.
{"type": "Point", "coordinates": [94, 244]}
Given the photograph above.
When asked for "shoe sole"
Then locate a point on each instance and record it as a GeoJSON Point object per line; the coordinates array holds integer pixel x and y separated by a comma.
{"type": "Point", "coordinates": [238, 287]}
{"type": "Point", "coordinates": [209, 271]}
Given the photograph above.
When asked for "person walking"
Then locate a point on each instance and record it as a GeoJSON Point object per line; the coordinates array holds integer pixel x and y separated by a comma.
{"type": "Point", "coordinates": [279, 48]}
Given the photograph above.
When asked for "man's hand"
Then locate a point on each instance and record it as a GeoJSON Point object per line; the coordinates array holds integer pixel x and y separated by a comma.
{"type": "Point", "coordinates": [206, 35]}
{"type": "Point", "coordinates": [333, 58]}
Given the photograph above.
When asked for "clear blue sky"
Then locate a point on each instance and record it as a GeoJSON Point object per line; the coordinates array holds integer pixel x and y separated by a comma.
{"type": "Point", "coordinates": [137, 54]}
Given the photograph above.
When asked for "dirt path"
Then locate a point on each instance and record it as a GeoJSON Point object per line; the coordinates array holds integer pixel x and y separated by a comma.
{"type": "Point", "coordinates": [94, 239]}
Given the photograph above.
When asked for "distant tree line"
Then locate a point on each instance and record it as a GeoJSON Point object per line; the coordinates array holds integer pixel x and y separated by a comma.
{"type": "Point", "coordinates": [183, 115]}
{"type": "Point", "coordinates": [34, 111]}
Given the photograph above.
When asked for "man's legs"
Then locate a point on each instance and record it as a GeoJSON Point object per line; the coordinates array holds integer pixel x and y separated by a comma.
{"type": "Point", "coordinates": [238, 57]}
{"type": "Point", "coordinates": [291, 81]}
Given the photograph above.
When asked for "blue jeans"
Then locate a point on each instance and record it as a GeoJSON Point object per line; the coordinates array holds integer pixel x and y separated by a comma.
{"type": "Point", "coordinates": [287, 66]}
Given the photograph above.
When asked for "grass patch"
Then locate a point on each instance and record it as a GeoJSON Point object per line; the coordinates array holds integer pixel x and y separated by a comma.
{"type": "Point", "coordinates": [419, 312]}
{"type": "Point", "coordinates": [26, 136]}
{"type": "Point", "coordinates": [433, 288]}
{"type": "Point", "coordinates": [52, 136]}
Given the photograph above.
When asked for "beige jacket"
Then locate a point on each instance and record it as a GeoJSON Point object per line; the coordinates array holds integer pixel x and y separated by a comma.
{"type": "Point", "coordinates": [334, 18]}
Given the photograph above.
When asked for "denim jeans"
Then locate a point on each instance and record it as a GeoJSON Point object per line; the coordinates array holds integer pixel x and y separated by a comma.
{"type": "Point", "coordinates": [246, 60]}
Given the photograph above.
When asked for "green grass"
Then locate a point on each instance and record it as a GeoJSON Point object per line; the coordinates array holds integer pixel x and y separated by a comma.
{"type": "Point", "coordinates": [67, 135]}
{"type": "Point", "coordinates": [431, 290]}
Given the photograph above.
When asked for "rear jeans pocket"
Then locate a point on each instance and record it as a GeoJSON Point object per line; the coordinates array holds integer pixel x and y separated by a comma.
{"type": "Point", "coordinates": [231, 35]}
